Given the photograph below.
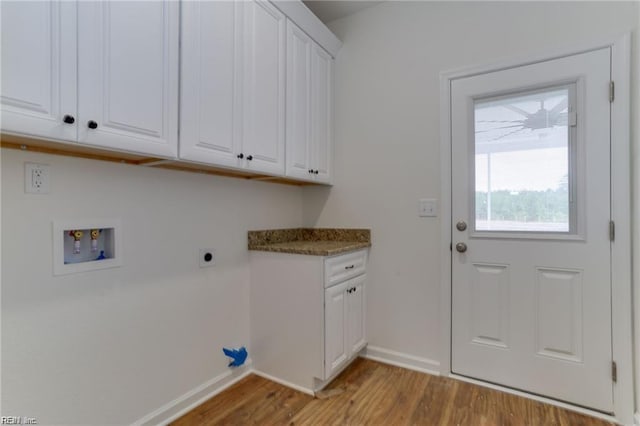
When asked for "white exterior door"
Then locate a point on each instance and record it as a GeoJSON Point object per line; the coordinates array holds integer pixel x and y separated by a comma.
{"type": "Point", "coordinates": [38, 87]}
{"type": "Point", "coordinates": [263, 87]}
{"type": "Point", "coordinates": [128, 75]}
{"type": "Point", "coordinates": [531, 287]}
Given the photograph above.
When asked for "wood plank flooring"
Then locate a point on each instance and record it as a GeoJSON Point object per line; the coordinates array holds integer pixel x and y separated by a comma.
{"type": "Point", "coordinates": [371, 393]}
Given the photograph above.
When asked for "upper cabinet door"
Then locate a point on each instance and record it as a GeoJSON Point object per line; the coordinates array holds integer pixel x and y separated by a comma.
{"type": "Point", "coordinates": [210, 115]}
{"type": "Point", "coordinates": [38, 85]}
{"type": "Point", "coordinates": [264, 87]}
{"type": "Point", "coordinates": [322, 114]}
{"type": "Point", "coordinates": [128, 75]}
{"type": "Point", "coordinates": [298, 137]}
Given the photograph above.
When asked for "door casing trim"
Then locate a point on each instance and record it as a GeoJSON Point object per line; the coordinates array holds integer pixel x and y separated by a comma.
{"type": "Point", "coordinates": [621, 283]}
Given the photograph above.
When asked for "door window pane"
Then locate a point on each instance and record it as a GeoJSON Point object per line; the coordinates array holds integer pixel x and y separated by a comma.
{"type": "Point", "coordinates": [523, 176]}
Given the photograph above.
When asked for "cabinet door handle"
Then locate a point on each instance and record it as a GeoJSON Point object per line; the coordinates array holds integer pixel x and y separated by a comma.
{"type": "Point", "coordinates": [249, 157]}
{"type": "Point", "coordinates": [69, 119]}
{"type": "Point", "coordinates": [92, 124]}
{"type": "Point", "coordinates": [310, 171]}
{"type": "Point", "coordinates": [316, 172]}
{"type": "Point", "coordinates": [350, 267]}
{"type": "Point", "coordinates": [240, 156]}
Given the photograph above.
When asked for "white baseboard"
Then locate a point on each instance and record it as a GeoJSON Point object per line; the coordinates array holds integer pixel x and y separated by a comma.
{"type": "Point", "coordinates": [636, 418]}
{"type": "Point", "coordinates": [283, 382]}
{"type": "Point", "coordinates": [399, 359]}
{"type": "Point", "coordinates": [185, 403]}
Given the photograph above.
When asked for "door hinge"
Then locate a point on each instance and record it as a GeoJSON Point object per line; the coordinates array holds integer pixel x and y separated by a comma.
{"type": "Point", "coordinates": [612, 91]}
{"type": "Point", "coordinates": [450, 246]}
{"type": "Point", "coordinates": [614, 371]}
{"type": "Point", "coordinates": [612, 230]}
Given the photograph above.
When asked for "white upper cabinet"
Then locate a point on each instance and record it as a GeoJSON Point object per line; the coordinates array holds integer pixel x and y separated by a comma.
{"type": "Point", "coordinates": [210, 114]}
{"type": "Point", "coordinates": [233, 82]}
{"type": "Point", "coordinates": [321, 114]}
{"type": "Point", "coordinates": [128, 75]}
{"type": "Point", "coordinates": [38, 85]}
{"type": "Point", "coordinates": [99, 73]}
{"type": "Point", "coordinates": [263, 134]}
{"type": "Point", "coordinates": [247, 87]}
{"type": "Point", "coordinates": [309, 108]}
{"type": "Point", "coordinates": [298, 102]}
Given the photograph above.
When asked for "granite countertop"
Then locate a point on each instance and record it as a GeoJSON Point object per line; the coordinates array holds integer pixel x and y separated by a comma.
{"type": "Point", "coordinates": [310, 241]}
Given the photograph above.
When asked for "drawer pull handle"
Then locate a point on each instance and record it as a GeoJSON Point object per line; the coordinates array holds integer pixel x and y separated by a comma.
{"type": "Point", "coordinates": [350, 267]}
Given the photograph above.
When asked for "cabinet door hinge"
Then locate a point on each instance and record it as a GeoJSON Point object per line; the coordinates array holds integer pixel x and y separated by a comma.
{"type": "Point", "coordinates": [614, 371]}
{"type": "Point", "coordinates": [612, 91]}
{"type": "Point", "coordinates": [612, 230]}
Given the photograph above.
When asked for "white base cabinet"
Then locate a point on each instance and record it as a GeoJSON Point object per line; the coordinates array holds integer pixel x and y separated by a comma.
{"type": "Point", "coordinates": [344, 323]}
{"type": "Point", "coordinates": [307, 315]}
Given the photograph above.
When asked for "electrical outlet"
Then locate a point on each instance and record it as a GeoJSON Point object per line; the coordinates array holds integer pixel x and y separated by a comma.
{"type": "Point", "coordinates": [36, 178]}
{"type": "Point", "coordinates": [207, 257]}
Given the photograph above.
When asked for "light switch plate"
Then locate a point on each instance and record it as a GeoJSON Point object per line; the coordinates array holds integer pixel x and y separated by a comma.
{"type": "Point", "coordinates": [428, 207]}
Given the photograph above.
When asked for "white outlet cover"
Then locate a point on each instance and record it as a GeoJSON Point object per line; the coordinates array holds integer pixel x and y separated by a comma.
{"type": "Point", "coordinates": [202, 257]}
{"type": "Point", "coordinates": [36, 178]}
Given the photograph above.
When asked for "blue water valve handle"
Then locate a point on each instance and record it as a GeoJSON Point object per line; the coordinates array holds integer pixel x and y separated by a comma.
{"type": "Point", "coordinates": [239, 356]}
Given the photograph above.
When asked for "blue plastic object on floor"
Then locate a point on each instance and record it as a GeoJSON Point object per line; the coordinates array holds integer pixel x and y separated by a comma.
{"type": "Point", "coordinates": [239, 356]}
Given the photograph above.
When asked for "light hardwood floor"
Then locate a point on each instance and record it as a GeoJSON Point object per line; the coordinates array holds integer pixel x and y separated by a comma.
{"type": "Point", "coordinates": [371, 393]}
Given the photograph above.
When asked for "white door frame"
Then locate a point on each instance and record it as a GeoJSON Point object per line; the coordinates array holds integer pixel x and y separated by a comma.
{"type": "Point", "coordinates": [622, 346]}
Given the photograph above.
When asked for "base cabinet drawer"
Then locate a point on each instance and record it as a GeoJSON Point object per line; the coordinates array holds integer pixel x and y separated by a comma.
{"type": "Point", "coordinates": [344, 267]}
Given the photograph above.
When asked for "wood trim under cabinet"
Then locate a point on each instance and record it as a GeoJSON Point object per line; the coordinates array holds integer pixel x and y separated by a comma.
{"type": "Point", "coordinates": [82, 151]}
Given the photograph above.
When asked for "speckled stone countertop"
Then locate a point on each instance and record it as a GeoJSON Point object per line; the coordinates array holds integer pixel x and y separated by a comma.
{"type": "Point", "coordinates": [311, 241]}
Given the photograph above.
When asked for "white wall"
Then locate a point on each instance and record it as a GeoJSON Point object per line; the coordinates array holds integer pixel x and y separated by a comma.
{"type": "Point", "coordinates": [635, 132]}
{"type": "Point", "coordinates": [387, 134]}
{"type": "Point", "coordinates": [111, 346]}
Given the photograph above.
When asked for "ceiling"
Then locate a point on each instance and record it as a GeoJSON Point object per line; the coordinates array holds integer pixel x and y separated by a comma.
{"type": "Point", "coordinates": [328, 10]}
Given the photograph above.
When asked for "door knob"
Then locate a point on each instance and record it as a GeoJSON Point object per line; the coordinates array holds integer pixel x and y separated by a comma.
{"type": "Point", "coordinates": [68, 119]}
{"type": "Point", "coordinates": [461, 247]}
{"type": "Point", "coordinates": [92, 124]}
{"type": "Point", "coordinates": [249, 157]}
{"type": "Point", "coordinates": [240, 156]}
{"type": "Point", "coordinates": [461, 226]}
